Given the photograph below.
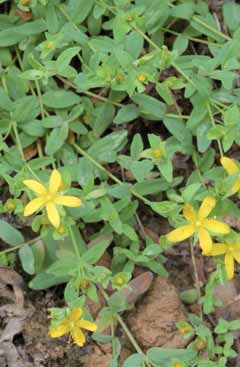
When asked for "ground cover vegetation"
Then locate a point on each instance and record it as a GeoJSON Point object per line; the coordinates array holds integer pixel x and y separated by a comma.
{"type": "Point", "coordinates": [115, 114]}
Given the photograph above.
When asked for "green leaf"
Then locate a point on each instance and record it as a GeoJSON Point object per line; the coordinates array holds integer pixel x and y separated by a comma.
{"type": "Point", "coordinates": [164, 355]}
{"type": "Point", "coordinates": [5, 102]}
{"type": "Point", "coordinates": [66, 265]}
{"type": "Point", "coordinates": [56, 139]}
{"type": "Point", "coordinates": [183, 11]}
{"type": "Point", "coordinates": [135, 360]}
{"type": "Point", "coordinates": [10, 235]}
{"type": "Point", "coordinates": [166, 169]}
{"type": "Point", "coordinates": [157, 268]}
{"type": "Point", "coordinates": [231, 13]}
{"type": "Point", "coordinates": [165, 93]}
{"type": "Point", "coordinates": [150, 107]}
{"type": "Point", "coordinates": [126, 114]}
{"type": "Point", "coordinates": [190, 191]}
{"type": "Point", "coordinates": [202, 138]}
{"type": "Point", "coordinates": [60, 99]}
{"type": "Point", "coordinates": [79, 10]}
{"type": "Point", "coordinates": [179, 130]}
{"type": "Point", "coordinates": [190, 296]}
{"type": "Point", "coordinates": [14, 34]}
{"type": "Point", "coordinates": [25, 109]}
{"type": "Point", "coordinates": [164, 208]}
{"type": "Point", "coordinates": [27, 259]}
{"type": "Point", "coordinates": [110, 214]}
{"type": "Point", "coordinates": [105, 149]}
{"type": "Point", "coordinates": [65, 57]}
{"type": "Point", "coordinates": [45, 280]}
{"type": "Point", "coordinates": [97, 250]}
{"type": "Point", "coordinates": [136, 146]}
{"type": "Point", "coordinates": [180, 44]}
{"type": "Point", "coordinates": [104, 118]}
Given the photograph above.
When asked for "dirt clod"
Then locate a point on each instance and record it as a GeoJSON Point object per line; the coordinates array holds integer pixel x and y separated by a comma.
{"type": "Point", "coordinates": [153, 322]}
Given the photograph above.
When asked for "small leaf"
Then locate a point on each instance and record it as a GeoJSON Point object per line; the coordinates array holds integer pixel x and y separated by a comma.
{"type": "Point", "coordinates": [27, 259]}
{"type": "Point", "coordinates": [126, 114]}
{"type": "Point", "coordinates": [92, 255]}
{"type": "Point", "coordinates": [60, 99]}
{"type": "Point", "coordinates": [9, 234]}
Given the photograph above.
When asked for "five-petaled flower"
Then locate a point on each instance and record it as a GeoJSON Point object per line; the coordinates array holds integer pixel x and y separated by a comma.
{"type": "Point", "coordinates": [231, 252]}
{"type": "Point", "coordinates": [230, 166]}
{"type": "Point", "coordinates": [49, 198]}
{"type": "Point", "coordinates": [72, 325]}
{"type": "Point", "coordinates": [199, 224]}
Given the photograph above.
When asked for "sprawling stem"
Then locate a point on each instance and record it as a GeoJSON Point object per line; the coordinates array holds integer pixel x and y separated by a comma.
{"type": "Point", "coordinates": [15, 248]}
{"type": "Point", "coordinates": [197, 282]}
{"type": "Point", "coordinates": [103, 169]}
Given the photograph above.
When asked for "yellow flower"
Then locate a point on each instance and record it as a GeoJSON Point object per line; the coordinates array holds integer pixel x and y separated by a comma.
{"type": "Point", "coordinates": [157, 153]}
{"type": "Point", "coordinates": [10, 205]}
{"type": "Point", "coordinates": [230, 166]}
{"type": "Point", "coordinates": [185, 329]}
{"type": "Point", "coordinates": [199, 224]}
{"type": "Point", "coordinates": [49, 198]}
{"type": "Point", "coordinates": [178, 364]}
{"type": "Point", "coordinates": [49, 45]}
{"type": "Point", "coordinates": [119, 280]}
{"type": "Point", "coordinates": [142, 78]}
{"type": "Point", "coordinates": [231, 252]}
{"type": "Point", "coordinates": [61, 230]}
{"type": "Point", "coordinates": [73, 325]}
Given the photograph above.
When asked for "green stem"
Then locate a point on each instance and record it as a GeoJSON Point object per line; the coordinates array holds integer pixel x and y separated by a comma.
{"type": "Point", "coordinates": [214, 124]}
{"type": "Point", "coordinates": [210, 28]}
{"type": "Point", "coordinates": [18, 142]}
{"type": "Point", "coordinates": [20, 149]}
{"type": "Point", "coordinates": [40, 99]}
{"type": "Point", "coordinates": [22, 68]}
{"type": "Point", "coordinates": [153, 44]}
{"type": "Point", "coordinates": [194, 39]}
{"type": "Point", "coordinates": [109, 174]}
{"type": "Point", "coordinates": [74, 243]}
{"type": "Point", "coordinates": [197, 282]}
{"type": "Point", "coordinates": [104, 99]}
{"type": "Point", "coordinates": [30, 242]}
{"type": "Point", "coordinates": [124, 326]}
{"type": "Point", "coordinates": [4, 84]}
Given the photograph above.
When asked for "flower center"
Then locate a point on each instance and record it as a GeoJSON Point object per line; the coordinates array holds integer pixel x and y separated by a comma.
{"type": "Point", "coordinates": [198, 223]}
{"type": "Point", "coordinates": [49, 197]}
{"type": "Point", "coordinates": [119, 281]}
{"type": "Point", "coordinates": [71, 325]}
{"type": "Point", "coordinates": [157, 153]}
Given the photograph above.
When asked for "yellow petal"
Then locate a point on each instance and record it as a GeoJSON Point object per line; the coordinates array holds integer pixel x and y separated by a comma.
{"type": "Point", "coordinates": [68, 201]}
{"type": "Point", "coordinates": [205, 241]}
{"type": "Point", "coordinates": [236, 186]}
{"type": "Point", "coordinates": [58, 331]}
{"type": "Point", "coordinates": [217, 249]}
{"type": "Point", "coordinates": [88, 325]}
{"type": "Point", "coordinates": [216, 226]}
{"type": "Point", "coordinates": [229, 266]}
{"type": "Point", "coordinates": [53, 215]}
{"type": "Point", "coordinates": [35, 186]}
{"type": "Point", "coordinates": [76, 313]}
{"type": "Point", "coordinates": [189, 213]}
{"type": "Point", "coordinates": [33, 206]}
{"type": "Point", "coordinates": [236, 255]}
{"type": "Point", "coordinates": [54, 182]}
{"type": "Point", "coordinates": [229, 165]}
{"type": "Point", "coordinates": [78, 337]}
{"type": "Point", "coordinates": [206, 207]}
{"type": "Point", "coordinates": [236, 251]}
{"type": "Point", "coordinates": [181, 233]}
